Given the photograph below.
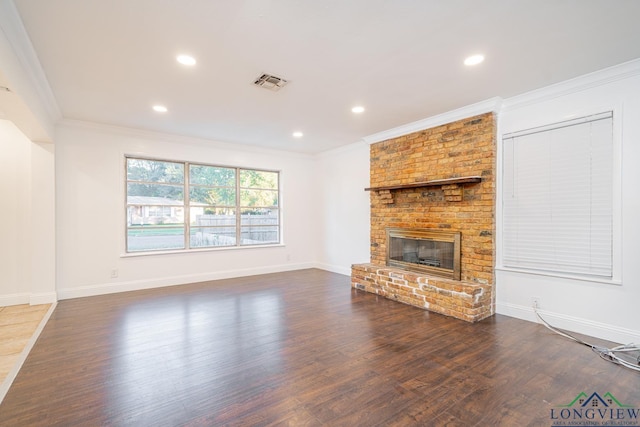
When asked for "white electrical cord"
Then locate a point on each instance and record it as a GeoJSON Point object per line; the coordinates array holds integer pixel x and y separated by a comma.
{"type": "Point", "coordinates": [608, 354]}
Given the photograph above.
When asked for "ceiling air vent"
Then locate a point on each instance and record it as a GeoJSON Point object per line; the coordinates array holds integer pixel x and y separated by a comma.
{"type": "Point", "coordinates": [271, 82]}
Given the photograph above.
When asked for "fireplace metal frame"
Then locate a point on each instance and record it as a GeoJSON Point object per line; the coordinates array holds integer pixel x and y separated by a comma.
{"type": "Point", "coordinates": [431, 235]}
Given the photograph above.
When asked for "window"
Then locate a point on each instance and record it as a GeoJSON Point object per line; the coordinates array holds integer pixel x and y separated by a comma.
{"type": "Point", "coordinates": [182, 205]}
{"type": "Point", "coordinates": [558, 197]}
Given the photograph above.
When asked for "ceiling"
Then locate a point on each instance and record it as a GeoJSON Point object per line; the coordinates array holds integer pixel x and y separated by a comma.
{"type": "Point", "coordinates": [110, 61]}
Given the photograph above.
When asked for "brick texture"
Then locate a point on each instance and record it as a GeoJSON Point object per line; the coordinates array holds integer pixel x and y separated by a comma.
{"type": "Point", "coordinates": [463, 148]}
{"type": "Point", "coordinates": [465, 301]}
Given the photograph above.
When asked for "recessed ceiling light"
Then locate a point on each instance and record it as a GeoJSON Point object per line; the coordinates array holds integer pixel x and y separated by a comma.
{"type": "Point", "coordinates": [298, 134]}
{"type": "Point", "coordinates": [186, 60]}
{"type": "Point", "coordinates": [474, 60]}
{"type": "Point", "coordinates": [358, 109]}
{"type": "Point", "coordinates": [160, 109]}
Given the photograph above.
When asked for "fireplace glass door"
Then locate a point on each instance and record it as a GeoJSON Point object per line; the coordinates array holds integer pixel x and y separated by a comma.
{"type": "Point", "coordinates": [428, 251]}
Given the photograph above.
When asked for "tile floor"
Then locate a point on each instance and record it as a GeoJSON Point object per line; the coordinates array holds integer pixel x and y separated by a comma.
{"type": "Point", "coordinates": [17, 325]}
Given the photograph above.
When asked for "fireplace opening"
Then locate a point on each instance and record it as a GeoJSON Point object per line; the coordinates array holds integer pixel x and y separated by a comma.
{"type": "Point", "coordinates": [429, 251]}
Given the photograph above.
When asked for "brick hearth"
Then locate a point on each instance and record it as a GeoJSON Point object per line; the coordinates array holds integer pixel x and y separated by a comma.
{"type": "Point", "coordinates": [459, 149]}
{"type": "Point", "coordinates": [462, 300]}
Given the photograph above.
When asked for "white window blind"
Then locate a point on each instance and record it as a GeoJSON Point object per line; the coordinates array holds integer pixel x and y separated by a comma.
{"type": "Point", "coordinates": [558, 197]}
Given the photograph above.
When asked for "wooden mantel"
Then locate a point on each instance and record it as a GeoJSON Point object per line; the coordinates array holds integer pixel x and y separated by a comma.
{"type": "Point", "coordinates": [432, 183]}
{"type": "Point", "coordinates": [451, 187]}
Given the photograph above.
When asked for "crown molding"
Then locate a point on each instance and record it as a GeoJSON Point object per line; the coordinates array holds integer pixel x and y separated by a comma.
{"type": "Point", "coordinates": [341, 149]}
{"type": "Point", "coordinates": [176, 138]}
{"type": "Point", "coordinates": [498, 105]}
{"type": "Point", "coordinates": [489, 105]}
{"type": "Point", "coordinates": [33, 79]}
{"type": "Point", "coordinates": [577, 84]}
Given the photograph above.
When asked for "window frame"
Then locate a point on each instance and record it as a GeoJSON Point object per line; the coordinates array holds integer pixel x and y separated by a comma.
{"type": "Point", "coordinates": [186, 208]}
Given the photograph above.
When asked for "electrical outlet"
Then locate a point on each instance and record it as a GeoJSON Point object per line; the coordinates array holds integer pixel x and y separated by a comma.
{"type": "Point", "coordinates": [288, 257]}
{"type": "Point", "coordinates": [535, 302]}
{"type": "Point", "coordinates": [114, 273]}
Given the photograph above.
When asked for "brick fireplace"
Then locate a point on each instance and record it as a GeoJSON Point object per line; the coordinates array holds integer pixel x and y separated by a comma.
{"type": "Point", "coordinates": [438, 179]}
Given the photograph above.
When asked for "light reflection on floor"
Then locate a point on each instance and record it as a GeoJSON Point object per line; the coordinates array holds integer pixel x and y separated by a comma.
{"type": "Point", "coordinates": [196, 333]}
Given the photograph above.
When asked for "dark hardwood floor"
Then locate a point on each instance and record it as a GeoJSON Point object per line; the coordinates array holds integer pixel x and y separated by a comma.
{"type": "Point", "coordinates": [298, 348]}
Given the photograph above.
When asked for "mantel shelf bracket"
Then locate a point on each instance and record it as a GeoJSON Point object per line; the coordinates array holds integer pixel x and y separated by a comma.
{"type": "Point", "coordinates": [452, 187]}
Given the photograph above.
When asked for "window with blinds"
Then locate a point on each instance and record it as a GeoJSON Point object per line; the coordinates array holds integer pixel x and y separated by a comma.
{"type": "Point", "coordinates": [558, 197]}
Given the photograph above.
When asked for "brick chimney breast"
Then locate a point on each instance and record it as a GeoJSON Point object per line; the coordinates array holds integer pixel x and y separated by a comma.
{"type": "Point", "coordinates": [459, 149]}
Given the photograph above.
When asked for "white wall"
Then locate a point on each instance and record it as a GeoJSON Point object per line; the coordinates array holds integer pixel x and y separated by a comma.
{"type": "Point", "coordinates": [599, 309]}
{"type": "Point", "coordinates": [42, 224]}
{"type": "Point", "coordinates": [343, 174]}
{"type": "Point", "coordinates": [26, 219]}
{"type": "Point", "coordinates": [91, 215]}
{"type": "Point", "coordinates": [15, 185]}
{"type": "Point", "coordinates": [27, 198]}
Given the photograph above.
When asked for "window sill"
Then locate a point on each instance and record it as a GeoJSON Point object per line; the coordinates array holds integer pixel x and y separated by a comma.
{"type": "Point", "coordinates": [192, 251]}
{"type": "Point", "coordinates": [592, 279]}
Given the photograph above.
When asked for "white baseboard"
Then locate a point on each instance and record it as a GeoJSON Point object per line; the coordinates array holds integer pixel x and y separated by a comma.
{"type": "Point", "coordinates": [136, 285]}
{"type": "Point", "coordinates": [43, 298]}
{"type": "Point", "coordinates": [346, 271]}
{"type": "Point", "coordinates": [6, 384]}
{"type": "Point", "coordinates": [571, 323]}
{"type": "Point", "coordinates": [32, 299]}
{"type": "Point", "coordinates": [14, 299]}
